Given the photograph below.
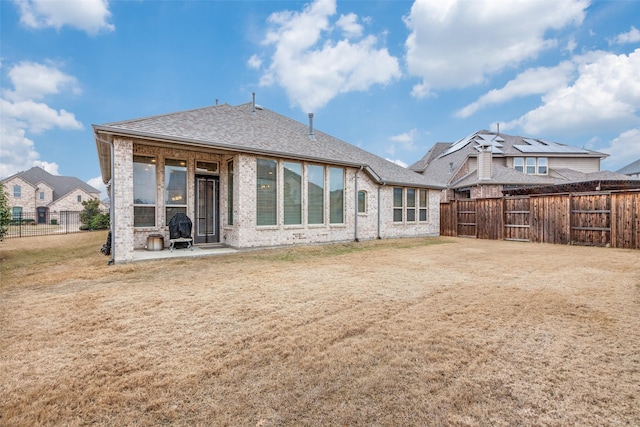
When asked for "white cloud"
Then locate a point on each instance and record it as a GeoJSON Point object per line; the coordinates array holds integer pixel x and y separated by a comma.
{"type": "Point", "coordinates": [99, 185]}
{"type": "Point", "coordinates": [605, 96]}
{"type": "Point", "coordinates": [622, 150]}
{"type": "Point", "coordinates": [532, 81]}
{"type": "Point", "coordinates": [254, 62]}
{"type": "Point", "coordinates": [21, 115]}
{"type": "Point", "coordinates": [631, 36]}
{"type": "Point", "coordinates": [91, 16]}
{"type": "Point", "coordinates": [312, 68]}
{"type": "Point", "coordinates": [350, 26]}
{"type": "Point", "coordinates": [398, 162]}
{"type": "Point", "coordinates": [32, 80]}
{"type": "Point", "coordinates": [406, 139]}
{"type": "Point", "coordinates": [457, 43]}
{"type": "Point", "coordinates": [52, 168]}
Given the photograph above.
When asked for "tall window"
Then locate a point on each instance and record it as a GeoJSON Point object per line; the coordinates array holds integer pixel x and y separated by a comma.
{"type": "Point", "coordinates": [398, 206]}
{"type": "Point", "coordinates": [79, 198]}
{"type": "Point", "coordinates": [423, 205]}
{"type": "Point", "coordinates": [17, 191]}
{"type": "Point", "coordinates": [336, 198]}
{"type": "Point", "coordinates": [175, 188]}
{"type": "Point", "coordinates": [411, 205]}
{"type": "Point", "coordinates": [362, 201]}
{"type": "Point", "coordinates": [518, 164]}
{"type": "Point", "coordinates": [292, 193]}
{"type": "Point", "coordinates": [42, 195]}
{"type": "Point", "coordinates": [315, 194]}
{"type": "Point", "coordinates": [531, 165]}
{"type": "Point", "coordinates": [144, 191]}
{"type": "Point", "coordinates": [230, 193]}
{"type": "Point", "coordinates": [267, 192]}
{"type": "Point", "coordinates": [543, 166]}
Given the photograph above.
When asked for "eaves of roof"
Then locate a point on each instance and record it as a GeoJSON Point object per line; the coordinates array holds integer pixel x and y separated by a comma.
{"type": "Point", "coordinates": [241, 130]}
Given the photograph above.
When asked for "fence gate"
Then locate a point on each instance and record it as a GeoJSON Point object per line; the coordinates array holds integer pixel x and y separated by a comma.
{"type": "Point", "coordinates": [466, 218]}
{"type": "Point", "coordinates": [516, 219]}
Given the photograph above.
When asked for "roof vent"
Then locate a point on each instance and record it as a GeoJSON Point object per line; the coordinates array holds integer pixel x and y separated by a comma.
{"type": "Point", "coordinates": [253, 108]}
{"type": "Point", "coordinates": [311, 135]}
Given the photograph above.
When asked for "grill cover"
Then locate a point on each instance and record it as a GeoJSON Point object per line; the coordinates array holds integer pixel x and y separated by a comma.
{"type": "Point", "coordinates": [180, 226]}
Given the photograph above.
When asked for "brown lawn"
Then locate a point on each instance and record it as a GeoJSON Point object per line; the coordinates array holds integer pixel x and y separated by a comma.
{"type": "Point", "coordinates": [395, 332]}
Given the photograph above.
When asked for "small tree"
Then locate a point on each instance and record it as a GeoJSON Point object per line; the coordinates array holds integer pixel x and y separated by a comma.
{"type": "Point", "coordinates": [91, 217]}
{"type": "Point", "coordinates": [5, 213]}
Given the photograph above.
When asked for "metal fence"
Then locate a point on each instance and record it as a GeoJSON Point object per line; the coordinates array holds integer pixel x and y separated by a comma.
{"type": "Point", "coordinates": [29, 224]}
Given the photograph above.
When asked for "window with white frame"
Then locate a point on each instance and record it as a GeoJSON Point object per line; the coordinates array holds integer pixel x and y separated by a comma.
{"type": "Point", "coordinates": [17, 191]}
{"type": "Point", "coordinates": [42, 195]}
{"type": "Point", "coordinates": [543, 166]}
{"type": "Point", "coordinates": [518, 164]}
{"type": "Point", "coordinates": [144, 191]}
{"type": "Point", "coordinates": [531, 165]}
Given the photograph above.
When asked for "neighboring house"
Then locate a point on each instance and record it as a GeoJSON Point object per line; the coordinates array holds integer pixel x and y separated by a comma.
{"type": "Point", "coordinates": [632, 169]}
{"type": "Point", "coordinates": [249, 177]}
{"type": "Point", "coordinates": [485, 163]}
{"type": "Point", "coordinates": [42, 196]}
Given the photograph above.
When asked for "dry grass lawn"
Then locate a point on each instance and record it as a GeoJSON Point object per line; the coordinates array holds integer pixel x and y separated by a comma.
{"type": "Point", "coordinates": [431, 332]}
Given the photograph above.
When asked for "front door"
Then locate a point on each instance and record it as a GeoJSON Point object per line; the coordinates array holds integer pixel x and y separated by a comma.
{"type": "Point", "coordinates": [207, 229]}
{"type": "Point", "coordinates": [42, 215]}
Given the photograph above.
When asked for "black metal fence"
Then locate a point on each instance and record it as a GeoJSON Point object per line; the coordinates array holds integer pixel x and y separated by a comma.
{"type": "Point", "coordinates": [41, 223]}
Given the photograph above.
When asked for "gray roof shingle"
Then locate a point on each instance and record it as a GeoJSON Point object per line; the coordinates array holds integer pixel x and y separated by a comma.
{"type": "Point", "coordinates": [631, 169]}
{"type": "Point", "coordinates": [264, 132]}
{"type": "Point", "coordinates": [61, 184]}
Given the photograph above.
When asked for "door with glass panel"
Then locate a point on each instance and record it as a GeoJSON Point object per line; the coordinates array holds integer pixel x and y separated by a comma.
{"type": "Point", "coordinates": [207, 217]}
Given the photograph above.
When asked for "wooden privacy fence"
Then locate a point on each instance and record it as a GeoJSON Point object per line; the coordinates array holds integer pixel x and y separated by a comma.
{"type": "Point", "coordinates": [597, 219]}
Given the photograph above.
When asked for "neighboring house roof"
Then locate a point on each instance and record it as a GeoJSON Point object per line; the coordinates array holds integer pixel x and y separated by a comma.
{"type": "Point", "coordinates": [443, 161]}
{"type": "Point", "coordinates": [255, 130]}
{"type": "Point", "coordinates": [570, 175]}
{"type": "Point", "coordinates": [504, 176]}
{"type": "Point", "coordinates": [61, 185]}
{"type": "Point", "coordinates": [631, 169]}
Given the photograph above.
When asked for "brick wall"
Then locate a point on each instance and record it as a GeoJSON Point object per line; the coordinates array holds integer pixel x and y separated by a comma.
{"type": "Point", "coordinates": [244, 233]}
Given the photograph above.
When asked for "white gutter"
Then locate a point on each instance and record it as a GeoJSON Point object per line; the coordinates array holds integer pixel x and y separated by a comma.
{"type": "Point", "coordinates": [112, 210]}
{"type": "Point", "coordinates": [356, 205]}
{"type": "Point", "coordinates": [379, 218]}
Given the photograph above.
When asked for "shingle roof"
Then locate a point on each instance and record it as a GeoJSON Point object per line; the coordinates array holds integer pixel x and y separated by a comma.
{"type": "Point", "coordinates": [264, 132]}
{"type": "Point", "coordinates": [504, 176]}
{"type": "Point", "coordinates": [61, 184]}
{"type": "Point", "coordinates": [631, 169]}
{"type": "Point", "coordinates": [444, 160]}
{"type": "Point", "coordinates": [570, 175]}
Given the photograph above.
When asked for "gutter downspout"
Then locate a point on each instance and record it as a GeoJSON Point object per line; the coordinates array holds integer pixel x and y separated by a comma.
{"type": "Point", "coordinates": [379, 218]}
{"type": "Point", "coordinates": [356, 204]}
{"type": "Point", "coordinates": [112, 210]}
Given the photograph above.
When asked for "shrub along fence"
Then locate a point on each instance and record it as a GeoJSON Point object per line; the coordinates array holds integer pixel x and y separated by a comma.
{"type": "Point", "coordinates": [41, 223]}
{"type": "Point", "coordinates": [595, 219]}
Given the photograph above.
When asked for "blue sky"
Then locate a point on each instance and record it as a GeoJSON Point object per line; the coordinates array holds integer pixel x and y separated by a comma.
{"type": "Point", "coordinates": [393, 77]}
